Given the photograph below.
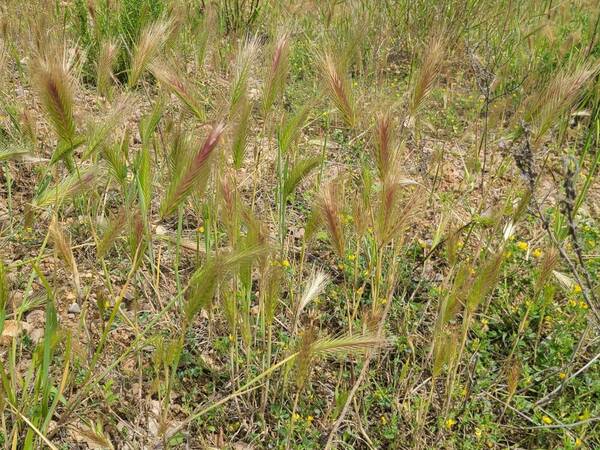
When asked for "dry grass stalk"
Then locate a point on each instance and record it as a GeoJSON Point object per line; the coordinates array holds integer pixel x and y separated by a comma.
{"type": "Point", "coordinates": [74, 184]}
{"type": "Point", "coordinates": [179, 86]}
{"type": "Point", "coordinates": [183, 183]}
{"type": "Point", "coordinates": [54, 87]}
{"type": "Point", "coordinates": [152, 39]}
{"type": "Point", "coordinates": [243, 65]}
{"type": "Point", "coordinates": [114, 228]}
{"type": "Point", "coordinates": [384, 143]}
{"type": "Point", "coordinates": [427, 74]}
{"type": "Point", "coordinates": [277, 73]}
{"type": "Point", "coordinates": [558, 97]}
{"type": "Point", "coordinates": [329, 206]}
{"type": "Point", "coordinates": [314, 287]}
{"type": "Point", "coordinates": [107, 57]}
{"type": "Point", "coordinates": [62, 245]}
{"type": "Point", "coordinates": [339, 89]}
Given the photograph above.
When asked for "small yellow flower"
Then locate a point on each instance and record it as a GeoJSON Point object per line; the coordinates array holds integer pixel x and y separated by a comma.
{"type": "Point", "coordinates": [562, 375]}
{"type": "Point", "coordinates": [295, 417]}
{"type": "Point", "coordinates": [547, 420]}
{"type": "Point", "coordinates": [572, 302]}
{"type": "Point", "coordinates": [578, 442]}
{"type": "Point", "coordinates": [341, 266]}
{"type": "Point", "coordinates": [583, 305]}
{"type": "Point", "coordinates": [450, 423]}
{"type": "Point", "coordinates": [383, 420]}
{"type": "Point", "coordinates": [521, 245]}
{"type": "Point", "coordinates": [422, 243]}
{"type": "Point", "coordinates": [285, 263]}
{"type": "Point", "coordinates": [537, 253]}
{"type": "Point", "coordinates": [366, 273]}
{"type": "Point", "coordinates": [200, 229]}
{"type": "Point", "coordinates": [576, 289]}
{"type": "Point", "coordinates": [478, 433]}
{"type": "Point", "coordinates": [310, 419]}
{"type": "Point", "coordinates": [485, 321]}
{"type": "Point", "coordinates": [351, 257]}
{"type": "Point", "coordinates": [460, 244]}
{"type": "Point", "coordinates": [383, 300]}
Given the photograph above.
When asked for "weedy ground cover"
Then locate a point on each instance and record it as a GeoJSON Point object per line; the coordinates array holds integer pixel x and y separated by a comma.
{"type": "Point", "coordinates": [306, 224]}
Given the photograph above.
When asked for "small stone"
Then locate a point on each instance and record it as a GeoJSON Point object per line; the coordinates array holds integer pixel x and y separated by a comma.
{"type": "Point", "coordinates": [36, 335]}
{"type": "Point", "coordinates": [74, 308]}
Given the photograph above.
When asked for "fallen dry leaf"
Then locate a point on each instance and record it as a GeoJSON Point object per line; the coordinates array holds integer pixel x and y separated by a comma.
{"type": "Point", "coordinates": [12, 329]}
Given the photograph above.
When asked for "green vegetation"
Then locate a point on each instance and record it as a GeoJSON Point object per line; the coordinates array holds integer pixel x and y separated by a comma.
{"type": "Point", "coordinates": [307, 224]}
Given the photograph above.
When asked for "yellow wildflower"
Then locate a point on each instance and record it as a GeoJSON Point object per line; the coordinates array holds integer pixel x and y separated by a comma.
{"type": "Point", "coordinates": [285, 263]}
{"type": "Point", "coordinates": [577, 289]}
{"type": "Point", "coordinates": [547, 420]}
{"type": "Point", "coordinates": [562, 375]}
{"type": "Point", "coordinates": [521, 245]}
{"type": "Point", "coordinates": [450, 423]}
{"type": "Point", "coordinates": [310, 419]}
{"type": "Point", "coordinates": [537, 253]}
{"type": "Point", "coordinates": [200, 229]}
{"type": "Point", "coordinates": [351, 257]}
{"type": "Point", "coordinates": [478, 432]}
{"type": "Point", "coordinates": [583, 305]}
{"type": "Point", "coordinates": [383, 420]}
{"type": "Point", "coordinates": [295, 417]}
{"type": "Point", "coordinates": [578, 442]}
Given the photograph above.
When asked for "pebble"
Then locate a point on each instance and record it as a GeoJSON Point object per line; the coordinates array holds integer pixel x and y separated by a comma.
{"type": "Point", "coordinates": [74, 308]}
{"type": "Point", "coordinates": [37, 335]}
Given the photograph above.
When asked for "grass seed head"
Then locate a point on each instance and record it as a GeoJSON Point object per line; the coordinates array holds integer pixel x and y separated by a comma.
{"type": "Point", "coordinates": [339, 89]}
{"type": "Point", "coordinates": [330, 209]}
{"type": "Point", "coordinates": [183, 183]}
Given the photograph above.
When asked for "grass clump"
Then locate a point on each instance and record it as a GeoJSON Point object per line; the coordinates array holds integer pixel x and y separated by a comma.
{"type": "Point", "coordinates": [244, 224]}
